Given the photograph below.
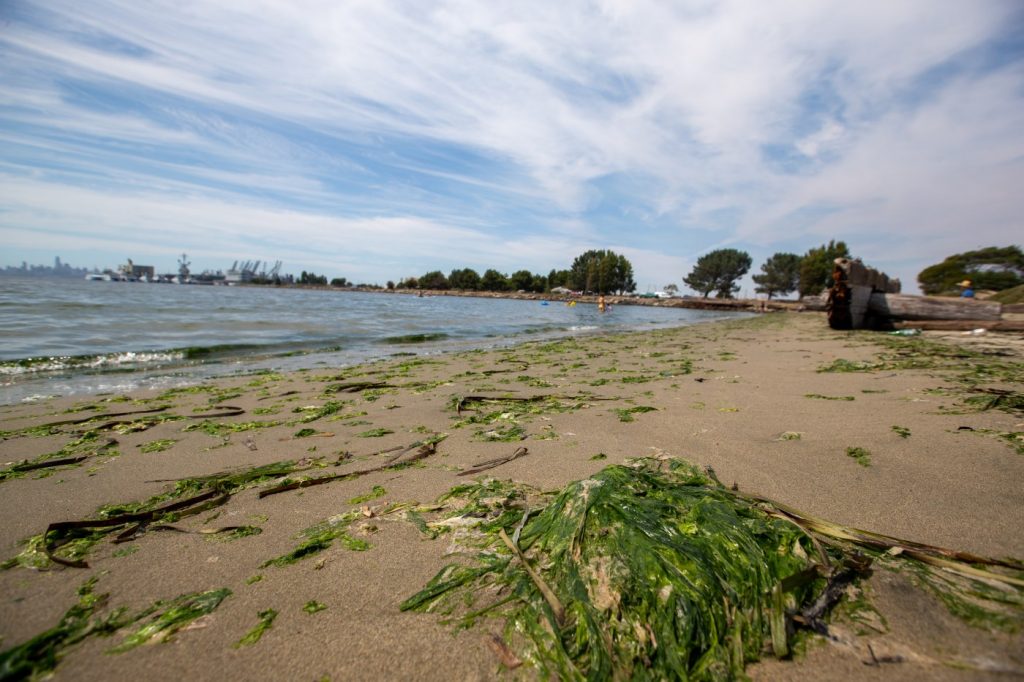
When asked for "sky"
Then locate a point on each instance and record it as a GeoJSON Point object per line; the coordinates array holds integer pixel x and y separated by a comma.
{"type": "Point", "coordinates": [380, 139]}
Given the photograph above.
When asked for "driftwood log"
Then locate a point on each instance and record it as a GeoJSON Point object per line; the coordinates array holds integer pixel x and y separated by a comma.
{"type": "Point", "coordinates": [897, 307]}
{"type": "Point", "coordinates": [853, 284]}
{"type": "Point", "coordinates": [863, 297]}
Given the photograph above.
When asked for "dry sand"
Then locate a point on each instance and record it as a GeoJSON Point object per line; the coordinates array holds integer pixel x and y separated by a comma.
{"type": "Point", "coordinates": [724, 393]}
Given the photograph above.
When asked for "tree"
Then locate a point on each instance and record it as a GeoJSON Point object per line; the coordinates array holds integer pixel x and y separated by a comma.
{"type": "Point", "coordinates": [391, 285]}
{"type": "Point", "coordinates": [521, 280]}
{"type": "Point", "coordinates": [466, 279]}
{"type": "Point", "coordinates": [340, 282]}
{"type": "Point", "coordinates": [601, 272]}
{"type": "Point", "coordinates": [718, 271]}
{"type": "Point", "coordinates": [540, 284]}
{"type": "Point", "coordinates": [434, 279]}
{"type": "Point", "coordinates": [671, 289]}
{"type": "Point", "coordinates": [989, 268]}
{"type": "Point", "coordinates": [312, 278]}
{"type": "Point", "coordinates": [816, 267]}
{"type": "Point", "coordinates": [494, 281]}
{"type": "Point", "coordinates": [781, 275]}
{"type": "Point", "coordinates": [558, 278]}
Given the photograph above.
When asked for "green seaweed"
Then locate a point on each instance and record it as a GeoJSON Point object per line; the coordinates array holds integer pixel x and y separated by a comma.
{"type": "Point", "coordinates": [312, 414]}
{"type": "Point", "coordinates": [313, 606]}
{"type": "Point", "coordinates": [41, 654]}
{"type": "Point", "coordinates": [157, 445]}
{"type": "Point", "coordinates": [655, 570]}
{"type": "Point", "coordinates": [266, 622]}
{"type": "Point", "coordinates": [322, 536]}
{"type": "Point", "coordinates": [305, 433]}
{"type": "Point", "coordinates": [626, 413]}
{"type": "Point", "coordinates": [508, 433]}
{"type": "Point", "coordinates": [862, 456]}
{"type": "Point", "coordinates": [663, 574]}
{"type": "Point", "coordinates": [173, 616]}
{"type": "Point", "coordinates": [378, 491]}
{"type": "Point", "coordinates": [901, 431]}
{"type": "Point", "coordinates": [75, 544]}
{"type": "Point", "coordinates": [375, 433]}
{"type": "Point", "coordinates": [221, 429]}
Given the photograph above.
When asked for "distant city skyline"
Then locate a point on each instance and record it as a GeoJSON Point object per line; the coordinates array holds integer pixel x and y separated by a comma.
{"type": "Point", "coordinates": [382, 140]}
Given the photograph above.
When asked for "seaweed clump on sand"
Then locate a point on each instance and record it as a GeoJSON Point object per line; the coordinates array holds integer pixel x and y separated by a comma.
{"type": "Point", "coordinates": [651, 570]}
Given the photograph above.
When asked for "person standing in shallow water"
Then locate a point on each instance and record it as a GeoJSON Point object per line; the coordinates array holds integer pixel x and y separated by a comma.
{"type": "Point", "coordinates": [601, 305]}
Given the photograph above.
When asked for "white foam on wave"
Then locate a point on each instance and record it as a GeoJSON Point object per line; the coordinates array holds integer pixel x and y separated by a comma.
{"type": "Point", "coordinates": [58, 364]}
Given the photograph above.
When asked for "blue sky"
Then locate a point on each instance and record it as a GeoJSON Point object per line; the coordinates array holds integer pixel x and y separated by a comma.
{"type": "Point", "coordinates": [377, 140]}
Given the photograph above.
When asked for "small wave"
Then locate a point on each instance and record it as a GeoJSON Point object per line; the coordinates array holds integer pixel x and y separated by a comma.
{"type": "Point", "coordinates": [583, 328]}
{"type": "Point", "coordinates": [127, 361]}
{"type": "Point", "coordinates": [415, 338]}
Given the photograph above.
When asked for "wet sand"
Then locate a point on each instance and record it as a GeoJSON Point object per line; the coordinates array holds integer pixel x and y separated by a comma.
{"type": "Point", "coordinates": [723, 396]}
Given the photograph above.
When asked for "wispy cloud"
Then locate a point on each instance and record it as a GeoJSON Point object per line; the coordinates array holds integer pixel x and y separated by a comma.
{"type": "Point", "coordinates": [372, 139]}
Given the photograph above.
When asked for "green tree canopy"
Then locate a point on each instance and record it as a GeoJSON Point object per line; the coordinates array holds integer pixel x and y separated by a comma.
{"type": "Point", "coordinates": [494, 281]}
{"type": "Point", "coordinates": [521, 280]}
{"type": "Point", "coordinates": [989, 268]}
{"type": "Point", "coordinates": [601, 272]}
{"type": "Point", "coordinates": [434, 279]}
{"type": "Point", "coordinates": [466, 279]}
{"type": "Point", "coordinates": [816, 267]}
{"type": "Point", "coordinates": [558, 278]}
{"type": "Point", "coordinates": [718, 271]}
{"type": "Point", "coordinates": [780, 275]}
{"type": "Point", "coordinates": [312, 278]}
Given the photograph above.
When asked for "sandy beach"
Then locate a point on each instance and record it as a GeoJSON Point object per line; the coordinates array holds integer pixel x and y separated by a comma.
{"type": "Point", "coordinates": [939, 462]}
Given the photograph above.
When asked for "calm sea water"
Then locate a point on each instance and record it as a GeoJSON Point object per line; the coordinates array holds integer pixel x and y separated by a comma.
{"type": "Point", "coordinates": [65, 337]}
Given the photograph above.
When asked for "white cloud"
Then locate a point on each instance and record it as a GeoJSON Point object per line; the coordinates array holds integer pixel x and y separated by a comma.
{"type": "Point", "coordinates": [454, 120]}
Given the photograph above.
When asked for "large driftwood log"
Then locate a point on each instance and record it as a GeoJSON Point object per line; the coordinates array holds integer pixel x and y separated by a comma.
{"type": "Point", "coordinates": [961, 325]}
{"type": "Point", "coordinates": [899, 307]}
{"type": "Point", "coordinates": [852, 288]}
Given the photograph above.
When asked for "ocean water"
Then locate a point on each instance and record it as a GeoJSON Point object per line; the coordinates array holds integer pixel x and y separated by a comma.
{"type": "Point", "coordinates": [68, 337]}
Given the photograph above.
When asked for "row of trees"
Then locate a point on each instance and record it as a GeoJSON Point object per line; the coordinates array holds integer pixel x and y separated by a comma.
{"type": "Point", "coordinates": [596, 271]}
{"type": "Point", "coordinates": [606, 272]}
{"type": "Point", "coordinates": [719, 271]}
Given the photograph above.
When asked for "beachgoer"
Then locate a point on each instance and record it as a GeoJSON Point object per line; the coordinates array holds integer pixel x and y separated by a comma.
{"type": "Point", "coordinates": [967, 290]}
{"type": "Point", "coordinates": [601, 304]}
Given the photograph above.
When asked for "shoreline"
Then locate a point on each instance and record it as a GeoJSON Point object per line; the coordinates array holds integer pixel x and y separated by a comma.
{"type": "Point", "coordinates": [808, 303]}
{"type": "Point", "coordinates": [723, 395]}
